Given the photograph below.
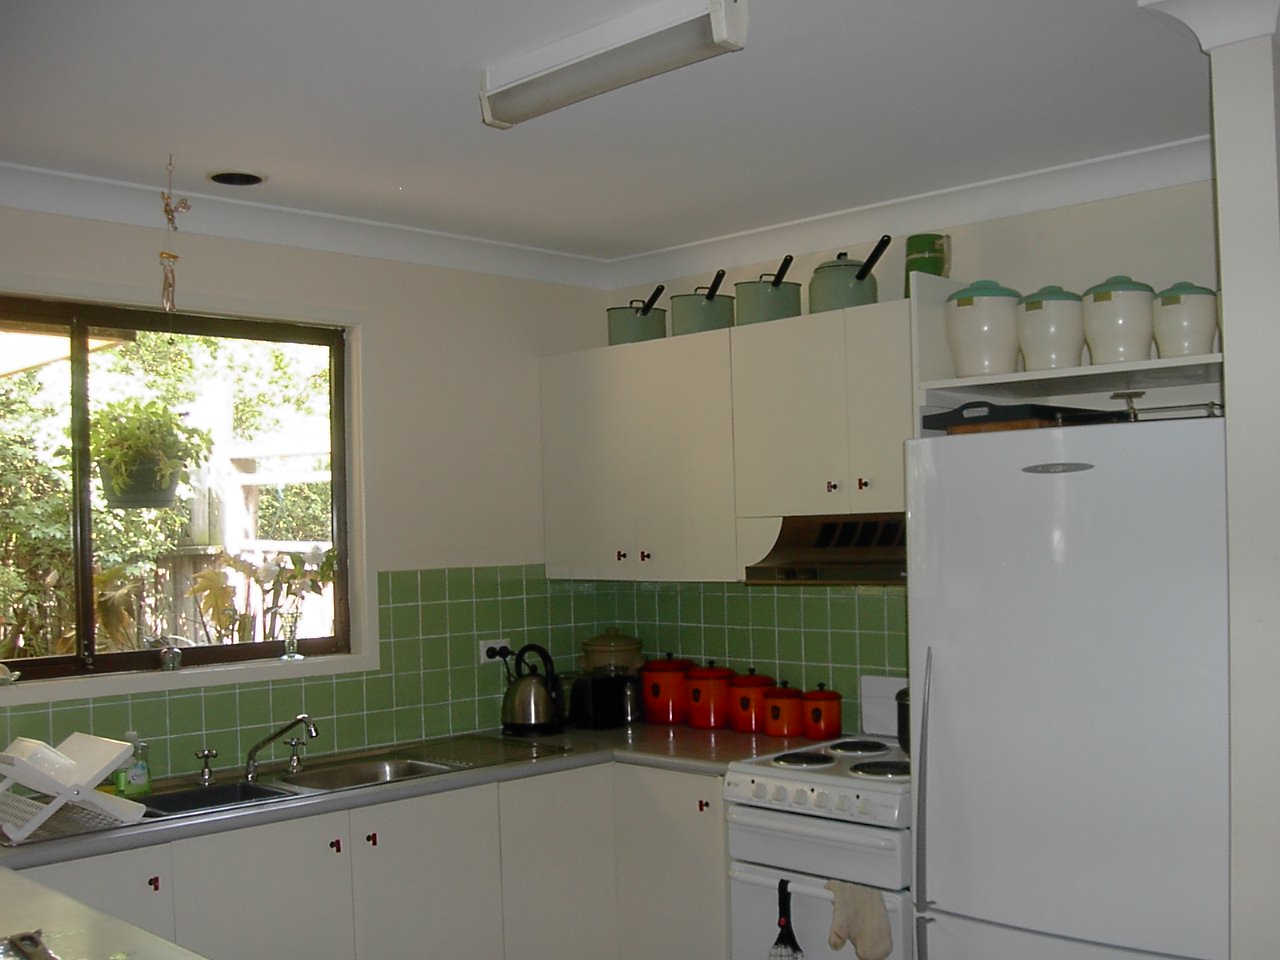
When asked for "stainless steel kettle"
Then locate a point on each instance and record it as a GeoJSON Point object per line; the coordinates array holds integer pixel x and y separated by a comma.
{"type": "Point", "coordinates": [533, 702]}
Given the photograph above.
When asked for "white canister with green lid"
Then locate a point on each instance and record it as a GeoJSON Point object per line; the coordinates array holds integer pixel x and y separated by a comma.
{"type": "Point", "coordinates": [1051, 329]}
{"type": "Point", "coordinates": [1184, 320]}
{"type": "Point", "coordinates": [1117, 320]}
{"type": "Point", "coordinates": [981, 322]}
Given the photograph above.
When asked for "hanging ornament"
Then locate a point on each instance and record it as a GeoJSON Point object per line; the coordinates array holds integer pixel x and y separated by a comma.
{"type": "Point", "coordinates": [168, 259]}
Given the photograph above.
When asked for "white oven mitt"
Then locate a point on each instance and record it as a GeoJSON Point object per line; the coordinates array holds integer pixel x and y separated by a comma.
{"type": "Point", "coordinates": [859, 914]}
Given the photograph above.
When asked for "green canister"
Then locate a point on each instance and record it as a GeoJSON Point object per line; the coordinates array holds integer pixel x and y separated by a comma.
{"type": "Point", "coordinates": [767, 298]}
{"type": "Point", "coordinates": [702, 310]}
{"type": "Point", "coordinates": [842, 282]}
{"type": "Point", "coordinates": [927, 253]}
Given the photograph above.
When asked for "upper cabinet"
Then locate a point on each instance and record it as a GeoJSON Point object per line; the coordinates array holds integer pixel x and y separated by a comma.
{"type": "Point", "coordinates": [637, 461]}
{"type": "Point", "coordinates": [821, 407]}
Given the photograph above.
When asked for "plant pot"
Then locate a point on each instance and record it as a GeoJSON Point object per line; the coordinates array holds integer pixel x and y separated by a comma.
{"type": "Point", "coordinates": [143, 490]}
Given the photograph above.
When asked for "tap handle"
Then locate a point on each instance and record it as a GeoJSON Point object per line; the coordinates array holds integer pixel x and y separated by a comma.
{"type": "Point", "coordinates": [295, 744]}
{"type": "Point", "coordinates": [206, 775]}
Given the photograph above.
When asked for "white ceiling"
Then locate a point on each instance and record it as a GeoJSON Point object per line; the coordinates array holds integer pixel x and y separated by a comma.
{"type": "Point", "coordinates": [369, 110]}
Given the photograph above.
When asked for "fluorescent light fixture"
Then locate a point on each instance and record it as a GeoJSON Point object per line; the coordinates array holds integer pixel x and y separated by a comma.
{"type": "Point", "coordinates": [645, 43]}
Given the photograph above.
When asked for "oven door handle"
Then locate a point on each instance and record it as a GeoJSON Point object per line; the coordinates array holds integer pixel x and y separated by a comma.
{"type": "Point", "coordinates": [921, 780]}
{"type": "Point", "coordinates": [811, 828]}
{"type": "Point", "coordinates": [797, 887]}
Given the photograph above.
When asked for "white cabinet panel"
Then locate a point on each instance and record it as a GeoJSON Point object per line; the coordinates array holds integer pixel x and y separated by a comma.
{"type": "Point", "coordinates": [277, 890]}
{"type": "Point", "coordinates": [881, 415]}
{"type": "Point", "coordinates": [791, 448]}
{"type": "Point", "coordinates": [638, 461]}
{"type": "Point", "coordinates": [426, 874]}
{"type": "Point", "coordinates": [134, 885]}
{"type": "Point", "coordinates": [672, 880]}
{"type": "Point", "coordinates": [558, 888]}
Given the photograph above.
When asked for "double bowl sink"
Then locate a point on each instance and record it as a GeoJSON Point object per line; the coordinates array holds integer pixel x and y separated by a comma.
{"type": "Point", "coordinates": [366, 769]}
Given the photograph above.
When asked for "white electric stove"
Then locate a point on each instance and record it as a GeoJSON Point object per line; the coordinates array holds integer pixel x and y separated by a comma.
{"type": "Point", "coordinates": [836, 810]}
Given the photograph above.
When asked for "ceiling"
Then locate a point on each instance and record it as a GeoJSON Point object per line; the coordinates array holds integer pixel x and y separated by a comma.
{"type": "Point", "coordinates": [369, 110]}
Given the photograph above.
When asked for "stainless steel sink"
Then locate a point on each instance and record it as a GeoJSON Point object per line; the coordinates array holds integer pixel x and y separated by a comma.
{"type": "Point", "coordinates": [196, 799]}
{"type": "Point", "coordinates": [362, 773]}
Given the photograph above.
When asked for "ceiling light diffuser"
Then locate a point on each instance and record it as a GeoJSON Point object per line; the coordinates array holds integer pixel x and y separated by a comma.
{"type": "Point", "coordinates": [645, 43]}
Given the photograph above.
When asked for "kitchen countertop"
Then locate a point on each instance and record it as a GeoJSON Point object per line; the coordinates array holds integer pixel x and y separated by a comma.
{"type": "Point", "coordinates": [72, 930]}
{"type": "Point", "coordinates": [703, 752]}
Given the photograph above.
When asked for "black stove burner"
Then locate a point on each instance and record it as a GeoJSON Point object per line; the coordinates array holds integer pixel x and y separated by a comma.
{"type": "Point", "coordinates": [803, 759]}
{"type": "Point", "coordinates": [858, 746]}
{"type": "Point", "coordinates": [884, 769]}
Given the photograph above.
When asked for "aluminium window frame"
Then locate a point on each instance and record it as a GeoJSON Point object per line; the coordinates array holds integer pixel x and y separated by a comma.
{"type": "Point", "coordinates": [80, 319]}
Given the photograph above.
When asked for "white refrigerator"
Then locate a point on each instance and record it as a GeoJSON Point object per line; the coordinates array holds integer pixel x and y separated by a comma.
{"type": "Point", "coordinates": [1067, 613]}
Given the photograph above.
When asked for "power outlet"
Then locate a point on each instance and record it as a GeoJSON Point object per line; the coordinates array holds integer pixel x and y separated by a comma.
{"type": "Point", "coordinates": [494, 645]}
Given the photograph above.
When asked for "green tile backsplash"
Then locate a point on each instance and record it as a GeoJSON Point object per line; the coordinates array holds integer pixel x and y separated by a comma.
{"type": "Point", "coordinates": [431, 682]}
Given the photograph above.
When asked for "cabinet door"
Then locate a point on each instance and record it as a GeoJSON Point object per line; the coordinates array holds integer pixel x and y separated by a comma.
{"type": "Point", "coordinates": [672, 872]}
{"type": "Point", "coordinates": [134, 885]}
{"type": "Point", "coordinates": [558, 888]}
{"type": "Point", "coordinates": [791, 436]}
{"type": "Point", "coordinates": [587, 412]}
{"type": "Point", "coordinates": [426, 875]}
{"type": "Point", "coordinates": [683, 446]}
{"type": "Point", "coordinates": [277, 890]}
{"type": "Point", "coordinates": [881, 419]}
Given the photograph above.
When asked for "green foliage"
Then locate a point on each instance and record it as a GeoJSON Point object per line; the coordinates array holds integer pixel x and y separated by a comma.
{"type": "Point", "coordinates": [128, 433]}
{"type": "Point", "coordinates": [295, 511]}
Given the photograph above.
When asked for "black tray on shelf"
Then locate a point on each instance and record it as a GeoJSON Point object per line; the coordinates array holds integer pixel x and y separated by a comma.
{"type": "Point", "coordinates": [979, 415]}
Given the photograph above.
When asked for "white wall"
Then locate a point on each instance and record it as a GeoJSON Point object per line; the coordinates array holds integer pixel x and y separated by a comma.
{"type": "Point", "coordinates": [450, 438]}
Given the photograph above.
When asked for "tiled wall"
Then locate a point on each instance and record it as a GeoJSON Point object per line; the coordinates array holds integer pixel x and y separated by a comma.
{"type": "Point", "coordinates": [431, 681]}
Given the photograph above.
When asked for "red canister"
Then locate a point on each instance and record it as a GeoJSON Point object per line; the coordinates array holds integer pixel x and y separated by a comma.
{"type": "Point", "coordinates": [709, 699]}
{"type": "Point", "coordinates": [783, 711]}
{"type": "Point", "coordinates": [746, 701]}
{"type": "Point", "coordinates": [663, 686]}
{"type": "Point", "coordinates": [822, 714]}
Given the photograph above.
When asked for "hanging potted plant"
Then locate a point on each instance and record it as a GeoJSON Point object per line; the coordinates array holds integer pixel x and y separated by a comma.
{"type": "Point", "coordinates": [143, 449]}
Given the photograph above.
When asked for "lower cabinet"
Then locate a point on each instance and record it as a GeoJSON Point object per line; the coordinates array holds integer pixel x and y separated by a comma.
{"type": "Point", "coordinates": [558, 892]}
{"type": "Point", "coordinates": [134, 885]}
{"type": "Point", "coordinates": [672, 873]}
{"type": "Point", "coordinates": [426, 877]}
{"type": "Point", "coordinates": [608, 861]}
{"type": "Point", "coordinates": [276, 890]}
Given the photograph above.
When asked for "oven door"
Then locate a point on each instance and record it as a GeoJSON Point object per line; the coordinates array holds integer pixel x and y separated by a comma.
{"type": "Point", "coordinates": [856, 852]}
{"type": "Point", "coordinates": [753, 913]}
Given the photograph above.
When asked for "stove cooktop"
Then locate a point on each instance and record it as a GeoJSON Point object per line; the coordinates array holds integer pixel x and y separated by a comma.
{"type": "Point", "coordinates": [865, 779]}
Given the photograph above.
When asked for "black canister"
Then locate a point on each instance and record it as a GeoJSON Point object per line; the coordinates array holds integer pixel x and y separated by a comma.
{"type": "Point", "coordinates": [903, 698]}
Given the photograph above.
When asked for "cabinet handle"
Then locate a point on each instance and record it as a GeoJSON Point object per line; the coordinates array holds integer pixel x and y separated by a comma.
{"type": "Point", "coordinates": [832, 486]}
{"type": "Point", "coordinates": [863, 484]}
{"type": "Point", "coordinates": [704, 805]}
{"type": "Point", "coordinates": [645, 555]}
{"type": "Point", "coordinates": [335, 846]}
{"type": "Point", "coordinates": [154, 883]}
{"type": "Point", "coordinates": [372, 839]}
{"type": "Point", "coordinates": [622, 554]}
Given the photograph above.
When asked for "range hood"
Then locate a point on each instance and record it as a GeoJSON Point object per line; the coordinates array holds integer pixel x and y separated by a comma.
{"type": "Point", "coordinates": [868, 548]}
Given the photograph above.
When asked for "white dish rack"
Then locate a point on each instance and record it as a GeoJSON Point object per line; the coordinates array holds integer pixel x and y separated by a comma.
{"type": "Point", "coordinates": [62, 780]}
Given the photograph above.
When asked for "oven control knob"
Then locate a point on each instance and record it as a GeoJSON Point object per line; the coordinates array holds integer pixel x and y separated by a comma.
{"type": "Point", "coordinates": [759, 791]}
{"type": "Point", "coordinates": [801, 796]}
{"type": "Point", "coordinates": [780, 794]}
{"type": "Point", "coordinates": [864, 804]}
{"type": "Point", "coordinates": [821, 800]}
{"type": "Point", "coordinates": [842, 803]}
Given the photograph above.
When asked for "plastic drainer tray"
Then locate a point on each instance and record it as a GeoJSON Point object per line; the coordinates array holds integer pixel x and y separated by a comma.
{"type": "Point", "coordinates": [62, 782]}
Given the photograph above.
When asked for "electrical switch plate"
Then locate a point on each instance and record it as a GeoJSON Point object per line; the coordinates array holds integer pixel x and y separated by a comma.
{"type": "Point", "coordinates": [495, 644]}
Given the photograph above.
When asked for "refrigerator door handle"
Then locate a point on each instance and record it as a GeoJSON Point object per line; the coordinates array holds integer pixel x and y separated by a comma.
{"type": "Point", "coordinates": [922, 937]}
{"type": "Point", "coordinates": [921, 774]}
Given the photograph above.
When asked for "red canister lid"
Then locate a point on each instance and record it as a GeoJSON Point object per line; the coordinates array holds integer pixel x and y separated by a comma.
{"type": "Point", "coordinates": [711, 672]}
{"type": "Point", "coordinates": [822, 693]}
{"type": "Point", "coordinates": [782, 692]}
{"type": "Point", "coordinates": [668, 664]}
{"type": "Point", "coordinates": [751, 679]}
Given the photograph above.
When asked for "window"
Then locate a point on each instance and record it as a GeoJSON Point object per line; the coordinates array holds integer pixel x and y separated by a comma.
{"type": "Point", "coordinates": [168, 480]}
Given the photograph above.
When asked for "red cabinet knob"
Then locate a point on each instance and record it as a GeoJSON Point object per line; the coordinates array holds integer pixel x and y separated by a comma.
{"type": "Point", "coordinates": [372, 839]}
{"type": "Point", "coordinates": [335, 846]}
{"type": "Point", "coordinates": [153, 883]}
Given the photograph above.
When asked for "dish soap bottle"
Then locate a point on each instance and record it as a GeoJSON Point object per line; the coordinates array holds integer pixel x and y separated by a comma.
{"type": "Point", "coordinates": [134, 778]}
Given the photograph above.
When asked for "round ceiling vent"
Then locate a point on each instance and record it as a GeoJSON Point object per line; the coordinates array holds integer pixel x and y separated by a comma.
{"type": "Point", "coordinates": [236, 178]}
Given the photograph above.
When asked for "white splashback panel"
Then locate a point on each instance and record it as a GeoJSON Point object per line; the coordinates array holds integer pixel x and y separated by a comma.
{"type": "Point", "coordinates": [879, 708]}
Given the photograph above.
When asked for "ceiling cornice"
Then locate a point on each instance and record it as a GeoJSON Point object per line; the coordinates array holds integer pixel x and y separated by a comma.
{"type": "Point", "coordinates": [1175, 164]}
{"type": "Point", "coordinates": [1217, 23]}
